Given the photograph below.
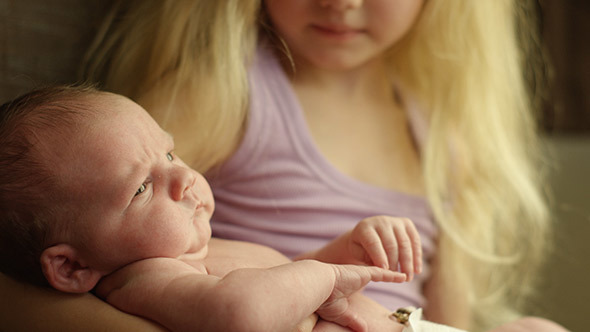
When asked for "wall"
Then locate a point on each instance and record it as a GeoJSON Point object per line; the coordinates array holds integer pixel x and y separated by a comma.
{"type": "Point", "coordinates": [565, 295]}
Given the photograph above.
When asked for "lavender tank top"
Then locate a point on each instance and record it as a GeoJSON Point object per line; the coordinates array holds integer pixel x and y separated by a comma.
{"type": "Point", "coordinates": [278, 190]}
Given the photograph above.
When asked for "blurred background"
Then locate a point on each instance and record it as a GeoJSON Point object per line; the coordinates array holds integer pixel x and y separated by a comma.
{"type": "Point", "coordinates": [565, 296]}
{"type": "Point", "coordinates": [43, 41]}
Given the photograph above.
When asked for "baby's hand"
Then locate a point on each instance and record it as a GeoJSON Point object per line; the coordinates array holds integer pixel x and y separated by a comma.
{"type": "Point", "coordinates": [348, 280]}
{"type": "Point", "coordinates": [386, 242]}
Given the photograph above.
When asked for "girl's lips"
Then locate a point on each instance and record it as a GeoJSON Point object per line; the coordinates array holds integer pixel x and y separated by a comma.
{"type": "Point", "coordinates": [337, 31]}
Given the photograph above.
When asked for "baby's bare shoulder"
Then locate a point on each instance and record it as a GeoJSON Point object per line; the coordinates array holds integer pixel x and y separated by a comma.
{"type": "Point", "coordinates": [227, 255]}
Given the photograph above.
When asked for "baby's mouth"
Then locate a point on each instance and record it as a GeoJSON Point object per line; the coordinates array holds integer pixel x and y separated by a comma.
{"type": "Point", "coordinates": [199, 205]}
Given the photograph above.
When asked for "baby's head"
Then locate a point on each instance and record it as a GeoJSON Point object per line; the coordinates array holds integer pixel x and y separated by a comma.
{"type": "Point", "coordinates": [89, 183]}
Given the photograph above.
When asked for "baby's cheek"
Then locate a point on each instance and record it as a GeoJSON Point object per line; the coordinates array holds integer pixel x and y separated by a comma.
{"type": "Point", "coordinates": [161, 235]}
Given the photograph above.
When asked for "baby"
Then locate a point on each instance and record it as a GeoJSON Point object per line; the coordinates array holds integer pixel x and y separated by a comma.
{"type": "Point", "coordinates": [92, 197]}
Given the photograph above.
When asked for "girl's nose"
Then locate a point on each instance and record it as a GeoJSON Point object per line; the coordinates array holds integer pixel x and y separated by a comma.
{"type": "Point", "coordinates": [340, 4]}
{"type": "Point", "coordinates": [182, 180]}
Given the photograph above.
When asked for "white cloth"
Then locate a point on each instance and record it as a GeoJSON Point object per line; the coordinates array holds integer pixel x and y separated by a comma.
{"type": "Point", "coordinates": [416, 324]}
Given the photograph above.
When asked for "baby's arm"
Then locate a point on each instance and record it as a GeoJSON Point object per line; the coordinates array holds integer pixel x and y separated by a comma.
{"type": "Point", "coordinates": [180, 298]}
{"type": "Point", "coordinates": [380, 241]}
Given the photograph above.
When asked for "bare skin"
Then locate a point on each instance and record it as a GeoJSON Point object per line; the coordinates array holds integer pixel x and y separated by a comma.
{"type": "Point", "coordinates": [144, 237]}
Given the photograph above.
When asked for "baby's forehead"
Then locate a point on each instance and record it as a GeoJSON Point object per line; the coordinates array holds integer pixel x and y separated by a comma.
{"type": "Point", "coordinates": [65, 116]}
{"type": "Point", "coordinates": [111, 106]}
{"type": "Point", "coordinates": [105, 104]}
{"type": "Point", "coordinates": [103, 119]}
{"type": "Point", "coordinates": [102, 111]}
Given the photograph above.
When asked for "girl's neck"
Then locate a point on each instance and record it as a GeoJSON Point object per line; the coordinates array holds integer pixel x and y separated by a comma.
{"type": "Point", "coordinates": [367, 80]}
{"type": "Point", "coordinates": [359, 125]}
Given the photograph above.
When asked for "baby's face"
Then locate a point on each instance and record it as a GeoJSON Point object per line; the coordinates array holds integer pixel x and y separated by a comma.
{"type": "Point", "coordinates": [135, 198]}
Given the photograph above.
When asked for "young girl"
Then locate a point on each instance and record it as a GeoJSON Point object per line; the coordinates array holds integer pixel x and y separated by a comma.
{"type": "Point", "coordinates": [306, 111]}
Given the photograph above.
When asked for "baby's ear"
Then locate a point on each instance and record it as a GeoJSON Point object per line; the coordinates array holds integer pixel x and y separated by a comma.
{"type": "Point", "coordinates": [64, 271]}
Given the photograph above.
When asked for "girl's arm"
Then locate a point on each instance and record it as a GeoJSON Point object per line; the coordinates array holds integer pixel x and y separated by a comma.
{"type": "Point", "coordinates": [28, 308]}
{"type": "Point", "coordinates": [447, 298]}
{"type": "Point", "coordinates": [179, 297]}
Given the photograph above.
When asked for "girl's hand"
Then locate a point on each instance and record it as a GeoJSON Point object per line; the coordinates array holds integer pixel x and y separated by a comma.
{"type": "Point", "coordinates": [387, 242]}
{"type": "Point", "coordinates": [348, 280]}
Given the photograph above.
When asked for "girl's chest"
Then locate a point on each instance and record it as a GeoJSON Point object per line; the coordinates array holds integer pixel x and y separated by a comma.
{"type": "Point", "coordinates": [373, 146]}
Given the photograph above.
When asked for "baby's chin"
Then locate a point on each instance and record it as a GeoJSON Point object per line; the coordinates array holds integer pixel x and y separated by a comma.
{"type": "Point", "coordinates": [195, 253]}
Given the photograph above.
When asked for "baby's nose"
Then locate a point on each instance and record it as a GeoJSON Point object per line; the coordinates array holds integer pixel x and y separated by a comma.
{"type": "Point", "coordinates": [182, 182]}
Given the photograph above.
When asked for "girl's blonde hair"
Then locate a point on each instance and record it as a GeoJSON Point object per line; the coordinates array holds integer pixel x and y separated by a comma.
{"type": "Point", "coordinates": [463, 61]}
{"type": "Point", "coordinates": [184, 61]}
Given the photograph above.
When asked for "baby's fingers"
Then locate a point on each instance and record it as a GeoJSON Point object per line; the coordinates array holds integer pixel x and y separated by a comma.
{"type": "Point", "coordinates": [383, 275]}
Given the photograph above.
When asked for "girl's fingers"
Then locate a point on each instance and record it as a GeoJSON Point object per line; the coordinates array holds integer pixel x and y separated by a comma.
{"type": "Point", "coordinates": [406, 260]}
{"type": "Point", "coordinates": [390, 247]}
{"type": "Point", "coordinates": [373, 246]}
{"type": "Point", "coordinates": [416, 247]}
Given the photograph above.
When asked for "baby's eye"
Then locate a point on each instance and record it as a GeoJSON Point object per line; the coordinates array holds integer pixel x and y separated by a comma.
{"type": "Point", "coordinates": [169, 156]}
{"type": "Point", "coordinates": [141, 189]}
